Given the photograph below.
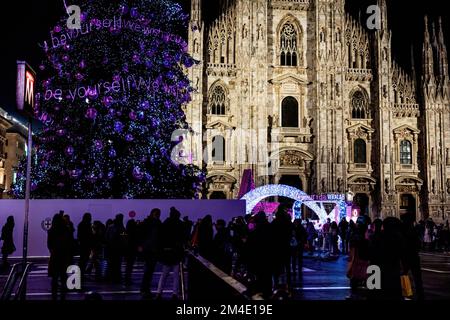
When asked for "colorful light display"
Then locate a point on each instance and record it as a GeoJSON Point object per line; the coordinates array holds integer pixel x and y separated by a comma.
{"type": "Point", "coordinates": [280, 190]}
{"type": "Point", "coordinates": [109, 102]}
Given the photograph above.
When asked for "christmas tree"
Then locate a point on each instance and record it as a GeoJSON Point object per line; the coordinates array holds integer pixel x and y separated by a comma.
{"type": "Point", "coordinates": [110, 99]}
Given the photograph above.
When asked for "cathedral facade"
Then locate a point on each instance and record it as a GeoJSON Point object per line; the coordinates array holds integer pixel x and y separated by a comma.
{"type": "Point", "coordinates": [301, 93]}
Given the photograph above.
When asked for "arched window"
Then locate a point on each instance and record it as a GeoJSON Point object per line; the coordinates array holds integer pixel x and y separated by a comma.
{"type": "Point", "coordinates": [359, 105]}
{"type": "Point", "coordinates": [360, 155]}
{"type": "Point", "coordinates": [405, 152]}
{"type": "Point", "coordinates": [289, 113]}
{"type": "Point", "coordinates": [218, 149]}
{"type": "Point", "coordinates": [217, 101]}
{"type": "Point", "coordinates": [288, 47]}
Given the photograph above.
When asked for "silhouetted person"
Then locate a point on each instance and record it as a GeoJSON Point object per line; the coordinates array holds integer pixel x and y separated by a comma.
{"type": "Point", "coordinates": [326, 235]}
{"type": "Point", "coordinates": [172, 251]}
{"type": "Point", "coordinates": [350, 231]}
{"type": "Point", "coordinates": [343, 226]}
{"type": "Point", "coordinates": [259, 255]}
{"type": "Point", "coordinates": [187, 230]}
{"type": "Point", "coordinates": [412, 258]}
{"type": "Point", "coordinates": [392, 259]}
{"type": "Point", "coordinates": [131, 249]}
{"type": "Point", "coordinates": [420, 230]}
{"type": "Point", "coordinates": [222, 250]}
{"type": "Point", "coordinates": [59, 244]}
{"type": "Point", "coordinates": [98, 248]}
{"type": "Point", "coordinates": [8, 246]}
{"type": "Point", "coordinates": [446, 236]}
{"type": "Point", "coordinates": [205, 237]}
{"type": "Point", "coordinates": [334, 237]}
{"type": "Point", "coordinates": [239, 236]}
{"type": "Point", "coordinates": [85, 240]}
{"type": "Point", "coordinates": [194, 236]}
{"type": "Point", "coordinates": [282, 230]}
{"type": "Point", "coordinates": [311, 236]}
{"type": "Point", "coordinates": [297, 250]}
{"type": "Point", "coordinates": [73, 244]}
{"type": "Point", "coordinates": [377, 228]}
{"type": "Point", "coordinates": [115, 247]}
{"type": "Point", "coordinates": [150, 244]}
{"type": "Point", "coordinates": [358, 257]}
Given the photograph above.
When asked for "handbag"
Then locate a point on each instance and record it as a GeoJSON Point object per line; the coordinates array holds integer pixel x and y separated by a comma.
{"type": "Point", "coordinates": [407, 291]}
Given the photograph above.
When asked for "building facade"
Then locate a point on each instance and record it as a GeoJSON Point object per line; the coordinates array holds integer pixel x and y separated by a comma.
{"type": "Point", "coordinates": [303, 94]}
{"type": "Point", "coordinates": [12, 149]}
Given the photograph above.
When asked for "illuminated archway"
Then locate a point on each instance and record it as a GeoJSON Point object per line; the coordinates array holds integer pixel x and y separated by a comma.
{"type": "Point", "coordinates": [255, 196]}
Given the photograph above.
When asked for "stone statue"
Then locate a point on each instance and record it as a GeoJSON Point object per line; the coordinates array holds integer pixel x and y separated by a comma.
{"type": "Point", "coordinates": [244, 32]}
{"type": "Point", "coordinates": [339, 155]}
{"type": "Point", "coordinates": [338, 90]}
{"type": "Point", "coordinates": [323, 155]}
{"type": "Point", "coordinates": [324, 187]}
{"type": "Point", "coordinates": [340, 183]}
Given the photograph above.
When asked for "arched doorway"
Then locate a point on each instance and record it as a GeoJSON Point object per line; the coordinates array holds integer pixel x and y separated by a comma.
{"type": "Point", "coordinates": [362, 201]}
{"type": "Point", "coordinates": [217, 195]}
{"type": "Point", "coordinates": [292, 181]}
{"type": "Point", "coordinates": [408, 205]}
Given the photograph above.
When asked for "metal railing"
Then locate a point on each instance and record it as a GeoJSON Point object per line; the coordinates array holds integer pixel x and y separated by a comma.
{"type": "Point", "coordinates": [209, 283]}
{"type": "Point", "coordinates": [17, 282]}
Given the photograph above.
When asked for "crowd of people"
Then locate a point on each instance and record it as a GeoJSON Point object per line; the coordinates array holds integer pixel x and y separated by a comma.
{"type": "Point", "coordinates": [267, 256]}
{"type": "Point", "coordinates": [434, 237]}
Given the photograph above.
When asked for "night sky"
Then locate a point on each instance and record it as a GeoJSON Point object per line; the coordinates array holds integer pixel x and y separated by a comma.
{"type": "Point", "coordinates": [29, 22]}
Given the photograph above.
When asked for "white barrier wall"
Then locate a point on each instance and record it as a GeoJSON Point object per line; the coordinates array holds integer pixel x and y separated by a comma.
{"type": "Point", "coordinates": [40, 210]}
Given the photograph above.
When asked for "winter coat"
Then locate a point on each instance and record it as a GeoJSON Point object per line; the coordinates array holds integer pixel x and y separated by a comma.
{"type": "Point", "coordinates": [8, 241]}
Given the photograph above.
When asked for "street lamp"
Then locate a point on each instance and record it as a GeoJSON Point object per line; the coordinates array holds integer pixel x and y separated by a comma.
{"type": "Point", "coordinates": [25, 93]}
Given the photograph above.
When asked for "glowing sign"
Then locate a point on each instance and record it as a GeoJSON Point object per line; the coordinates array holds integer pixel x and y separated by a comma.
{"type": "Point", "coordinates": [25, 88]}
{"type": "Point", "coordinates": [329, 197]}
{"type": "Point", "coordinates": [29, 88]}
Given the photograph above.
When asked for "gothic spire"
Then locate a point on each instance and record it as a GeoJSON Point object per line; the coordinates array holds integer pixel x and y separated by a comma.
{"type": "Point", "coordinates": [413, 69]}
{"type": "Point", "coordinates": [196, 14]}
{"type": "Point", "coordinates": [384, 14]}
{"type": "Point", "coordinates": [427, 57]}
{"type": "Point", "coordinates": [442, 52]}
